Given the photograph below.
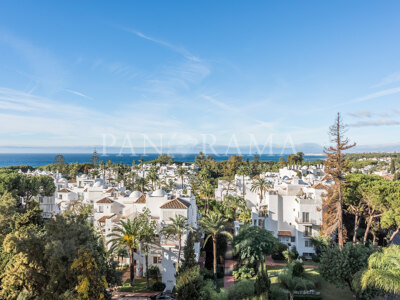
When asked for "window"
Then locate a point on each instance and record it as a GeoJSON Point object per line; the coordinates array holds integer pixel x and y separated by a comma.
{"type": "Point", "coordinates": [155, 259]}
{"type": "Point", "coordinates": [261, 223]}
{"type": "Point", "coordinates": [307, 243]}
{"type": "Point", "coordinates": [292, 239]}
{"type": "Point", "coordinates": [307, 231]}
{"type": "Point", "coordinates": [101, 209]}
{"type": "Point", "coordinates": [60, 196]}
{"type": "Point", "coordinates": [40, 199]}
{"type": "Point", "coordinates": [306, 217]}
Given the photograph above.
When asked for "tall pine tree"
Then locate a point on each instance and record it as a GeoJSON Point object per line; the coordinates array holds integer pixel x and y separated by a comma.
{"type": "Point", "coordinates": [335, 166]}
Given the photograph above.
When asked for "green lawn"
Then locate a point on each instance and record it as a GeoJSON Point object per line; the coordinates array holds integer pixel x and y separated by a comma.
{"type": "Point", "coordinates": [328, 291]}
{"type": "Point", "coordinates": [140, 285]}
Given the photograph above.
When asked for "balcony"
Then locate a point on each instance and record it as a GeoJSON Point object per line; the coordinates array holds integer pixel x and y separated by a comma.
{"type": "Point", "coordinates": [306, 221]}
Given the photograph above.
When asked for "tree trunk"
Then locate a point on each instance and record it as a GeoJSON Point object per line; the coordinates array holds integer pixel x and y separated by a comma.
{"type": "Point", "coordinates": [367, 229]}
{"type": "Point", "coordinates": [394, 233]}
{"type": "Point", "coordinates": [206, 205]}
{"type": "Point", "coordinates": [179, 252]}
{"type": "Point", "coordinates": [215, 260]}
{"type": "Point", "coordinates": [356, 225]}
{"type": "Point", "coordinates": [132, 267]}
{"type": "Point", "coordinates": [291, 295]}
{"type": "Point", "coordinates": [340, 216]}
{"type": "Point", "coordinates": [147, 270]}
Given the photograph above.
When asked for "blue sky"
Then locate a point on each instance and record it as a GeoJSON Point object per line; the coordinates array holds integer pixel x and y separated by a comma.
{"type": "Point", "coordinates": [75, 72]}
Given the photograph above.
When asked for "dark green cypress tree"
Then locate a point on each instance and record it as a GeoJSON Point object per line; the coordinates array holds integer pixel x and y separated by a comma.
{"type": "Point", "coordinates": [189, 256]}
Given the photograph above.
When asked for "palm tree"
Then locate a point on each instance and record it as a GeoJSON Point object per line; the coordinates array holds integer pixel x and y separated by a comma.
{"type": "Point", "coordinates": [383, 270]}
{"type": "Point", "coordinates": [147, 235]}
{"type": "Point", "coordinates": [207, 191]}
{"type": "Point", "coordinates": [178, 227]}
{"type": "Point", "coordinates": [243, 171]}
{"type": "Point", "coordinates": [233, 203]}
{"type": "Point", "coordinates": [293, 283]}
{"type": "Point", "coordinates": [126, 235]}
{"type": "Point", "coordinates": [141, 184]}
{"type": "Point", "coordinates": [214, 224]}
{"type": "Point", "coordinates": [181, 173]}
{"type": "Point", "coordinates": [260, 185]}
{"type": "Point", "coordinates": [153, 177]}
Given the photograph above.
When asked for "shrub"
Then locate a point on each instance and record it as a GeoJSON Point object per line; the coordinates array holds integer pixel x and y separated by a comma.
{"type": "Point", "coordinates": [242, 289]}
{"type": "Point", "coordinates": [244, 271]}
{"type": "Point", "coordinates": [307, 297]}
{"type": "Point", "coordinates": [189, 283]}
{"type": "Point", "coordinates": [154, 272]}
{"type": "Point", "coordinates": [158, 286]}
{"type": "Point", "coordinates": [297, 268]}
{"type": "Point", "coordinates": [208, 292]}
{"type": "Point", "coordinates": [278, 294]}
{"type": "Point", "coordinates": [262, 284]}
{"type": "Point", "coordinates": [277, 253]}
{"type": "Point", "coordinates": [206, 273]}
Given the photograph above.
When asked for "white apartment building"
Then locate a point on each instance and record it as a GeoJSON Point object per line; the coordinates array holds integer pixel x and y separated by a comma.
{"type": "Point", "coordinates": [291, 209]}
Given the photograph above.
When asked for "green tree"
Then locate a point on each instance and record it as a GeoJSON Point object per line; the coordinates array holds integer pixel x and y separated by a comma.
{"type": "Point", "coordinates": [181, 174]}
{"type": "Point", "coordinates": [260, 185]}
{"type": "Point", "coordinates": [189, 284]}
{"type": "Point", "coordinates": [189, 256]}
{"type": "Point", "coordinates": [126, 234]}
{"type": "Point", "coordinates": [207, 191]}
{"type": "Point", "coordinates": [293, 283]}
{"type": "Point", "coordinates": [232, 204]}
{"type": "Point", "coordinates": [147, 235]}
{"type": "Point", "coordinates": [91, 283]}
{"type": "Point", "coordinates": [341, 267]}
{"type": "Point", "coordinates": [383, 270]}
{"type": "Point", "coordinates": [253, 244]}
{"type": "Point", "coordinates": [392, 167]}
{"type": "Point", "coordinates": [214, 224]}
{"type": "Point", "coordinates": [177, 228]}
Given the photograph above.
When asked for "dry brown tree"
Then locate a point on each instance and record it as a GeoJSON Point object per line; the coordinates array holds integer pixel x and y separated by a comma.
{"type": "Point", "coordinates": [335, 167]}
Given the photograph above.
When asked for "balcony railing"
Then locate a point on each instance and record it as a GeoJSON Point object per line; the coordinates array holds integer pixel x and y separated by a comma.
{"type": "Point", "coordinates": [306, 221]}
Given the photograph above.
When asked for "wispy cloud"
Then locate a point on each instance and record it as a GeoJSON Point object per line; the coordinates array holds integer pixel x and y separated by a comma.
{"type": "Point", "coordinates": [375, 123]}
{"type": "Point", "coordinates": [177, 49]}
{"type": "Point", "coordinates": [78, 94]}
{"type": "Point", "coordinates": [361, 114]}
{"type": "Point", "coordinates": [46, 70]}
{"type": "Point", "coordinates": [220, 104]}
{"type": "Point", "coordinates": [392, 78]}
{"type": "Point", "coordinates": [378, 94]}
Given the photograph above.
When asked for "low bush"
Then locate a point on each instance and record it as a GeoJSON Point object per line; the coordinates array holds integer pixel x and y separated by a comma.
{"type": "Point", "coordinates": [243, 272]}
{"type": "Point", "coordinates": [307, 297]}
{"type": "Point", "coordinates": [277, 253]}
{"type": "Point", "coordinates": [154, 272]}
{"type": "Point", "coordinates": [158, 286]}
{"type": "Point", "coordinates": [242, 289]}
{"type": "Point", "coordinates": [297, 268]}
{"type": "Point", "coordinates": [279, 294]}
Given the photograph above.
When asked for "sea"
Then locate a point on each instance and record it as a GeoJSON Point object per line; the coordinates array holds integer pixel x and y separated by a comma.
{"type": "Point", "coordinates": [40, 159]}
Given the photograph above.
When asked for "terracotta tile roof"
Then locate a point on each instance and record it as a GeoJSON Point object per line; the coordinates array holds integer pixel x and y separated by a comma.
{"type": "Point", "coordinates": [141, 200]}
{"type": "Point", "coordinates": [284, 233]}
{"type": "Point", "coordinates": [103, 219]}
{"type": "Point", "coordinates": [176, 204]}
{"type": "Point", "coordinates": [105, 200]}
{"type": "Point", "coordinates": [64, 191]}
{"type": "Point", "coordinates": [319, 186]}
{"type": "Point", "coordinates": [111, 190]}
{"type": "Point", "coordinates": [85, 190]}
{"type": "Point", "coordinates": [72, 181]}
